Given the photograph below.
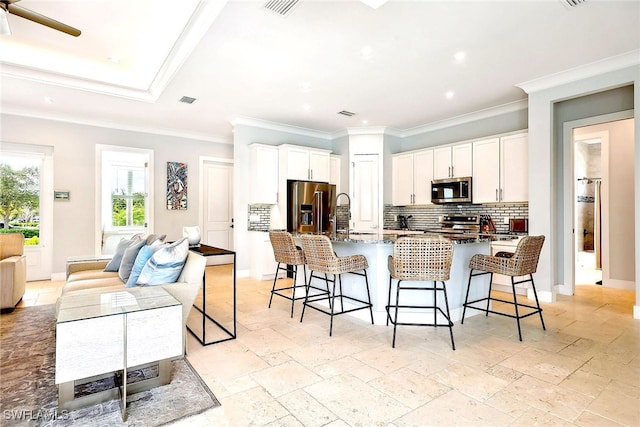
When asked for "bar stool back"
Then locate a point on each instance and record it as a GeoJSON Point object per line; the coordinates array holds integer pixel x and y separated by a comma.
{"type": "Point", "coordinates": [420, 259]}
{"type": "Point", "coordinates": [322, 259]}
{"type": "Point", "coordinates": [522, 262]}
{"type": "Point", "coordinates": [287, 253]}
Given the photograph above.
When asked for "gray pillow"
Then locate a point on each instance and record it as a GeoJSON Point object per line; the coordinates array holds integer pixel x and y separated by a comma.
{"type": "Point", "coordinates": [114, 263]}
{"type": "Point", "coordinates": [128, 259]}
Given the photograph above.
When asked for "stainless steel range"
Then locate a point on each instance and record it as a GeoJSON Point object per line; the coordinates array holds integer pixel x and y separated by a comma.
{"type": "Point", "coordinates": [457, 224]}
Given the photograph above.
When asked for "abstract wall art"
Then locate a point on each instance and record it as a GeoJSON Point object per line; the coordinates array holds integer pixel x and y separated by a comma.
{"type": "Point", "coordinates": [176, 186]}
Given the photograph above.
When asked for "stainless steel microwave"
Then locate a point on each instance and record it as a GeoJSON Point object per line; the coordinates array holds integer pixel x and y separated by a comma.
{"type": "Point", "coordinates": [451, 190]}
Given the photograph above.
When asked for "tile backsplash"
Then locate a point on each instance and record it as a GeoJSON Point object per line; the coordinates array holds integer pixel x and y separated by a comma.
{"type": "Point", "coordinates": [423, 216]}
{"type": "Point", "coordinates": [426, 216]}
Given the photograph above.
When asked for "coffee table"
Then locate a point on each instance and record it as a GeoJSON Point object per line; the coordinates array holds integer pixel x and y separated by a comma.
{"type": "Point", "coordinates": [107, 333]}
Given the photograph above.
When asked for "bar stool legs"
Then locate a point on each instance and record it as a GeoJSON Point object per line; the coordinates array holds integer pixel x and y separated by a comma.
{"type": "Point", "coordinates": [293, 288]}
{"type": "Point", "coordinates": [436, 309]}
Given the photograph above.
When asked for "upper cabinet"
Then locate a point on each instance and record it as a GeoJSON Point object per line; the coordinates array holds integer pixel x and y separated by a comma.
{"type": "Point", "coordinates": [263, 161]}
{"type": "Point", "coordinates": [452, 161]}
{"type": "Point", "coordinates": [412, 175]}
{"type": "Point", "coordinates": [500, 169]}
{"type": "Point", "coordinates": [304, 163]}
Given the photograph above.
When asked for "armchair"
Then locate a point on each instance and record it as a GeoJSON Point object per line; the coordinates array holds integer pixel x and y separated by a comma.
{"type": "Point", "coordinates": [13, 270]}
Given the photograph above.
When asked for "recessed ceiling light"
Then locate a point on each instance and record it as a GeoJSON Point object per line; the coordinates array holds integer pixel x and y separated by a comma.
{"type": "Point", "coordinates": [187, 100]}
{"type": "Point", "coordinates": [365, 122]}
{"type": "Point", "coordinates": [449, 94]}
{"type": "Point", "coordinates": [459, 57]}
{"type": "Point", "coordinates": [48, 100]}
{"type": "Point", "coordinates": [114, 59]}
{"type": "Point", "coordinates": [306, 107]}
{"type": "Point", "coordinates": [366, 52]}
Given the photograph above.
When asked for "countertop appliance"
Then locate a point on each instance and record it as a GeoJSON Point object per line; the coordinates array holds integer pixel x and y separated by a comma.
{"type": "Point", "coordinates": [451, 190]}
{"type": "Point", "coordinates": [457, 224]}
{"type": "Point", "coordinates": [404, 221]}
{"type": "Point", "coordinates": [310, 206]}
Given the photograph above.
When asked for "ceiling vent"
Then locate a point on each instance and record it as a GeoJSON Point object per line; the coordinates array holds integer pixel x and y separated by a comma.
{"type": "Point", "coordinates": [187, 100]}
{"type": "Point", "coordinates": [346, 113]}
{"type": "Point", "coordinates": [281, 7]}
{"type": "Point", "coordinates": [572, 3]}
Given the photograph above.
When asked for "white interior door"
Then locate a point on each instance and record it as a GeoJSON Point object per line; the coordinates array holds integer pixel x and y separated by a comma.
{"type": "Point", "coordinates": [218, 208]}
{"type": "Point", "coordinates": [365, 194]}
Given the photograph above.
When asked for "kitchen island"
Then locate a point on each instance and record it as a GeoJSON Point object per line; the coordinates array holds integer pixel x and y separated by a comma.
{"type": "Point", "coordinates": [378, 246]}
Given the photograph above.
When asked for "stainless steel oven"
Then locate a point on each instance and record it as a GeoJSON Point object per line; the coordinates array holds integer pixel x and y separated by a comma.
{"type": "Point", "coordinates": [451, 190]}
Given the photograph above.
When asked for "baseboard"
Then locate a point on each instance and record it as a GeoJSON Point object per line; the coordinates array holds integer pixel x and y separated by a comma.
{"type": "Point", "coordinates": [636, 311]}
{"type": "Point", "coordinates": [58, 276]}
{"type": "Point", "coordinates": [543, 296]}
{"type": "Point", "coordinates": [243, 274]}
{"type": "Point", "coordinates": [619, 284]}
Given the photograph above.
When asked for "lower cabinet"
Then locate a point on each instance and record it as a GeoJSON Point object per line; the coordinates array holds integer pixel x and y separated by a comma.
{"type": "Point", "coordinates": [502, 282]}
{"type": "Point", "coordinates": [263, 263]}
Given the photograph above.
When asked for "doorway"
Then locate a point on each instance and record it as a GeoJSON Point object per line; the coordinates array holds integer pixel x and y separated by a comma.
{"type": "Point", "coordinates": [216, 201]}
{"type": "Point", "coordinates": [599, 202]}
{"type": "Point", "coordinates": [587, 161]}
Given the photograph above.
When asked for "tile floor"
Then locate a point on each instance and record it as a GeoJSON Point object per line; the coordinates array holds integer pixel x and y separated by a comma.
{"type": "Point", "coordinates": [584, 370]}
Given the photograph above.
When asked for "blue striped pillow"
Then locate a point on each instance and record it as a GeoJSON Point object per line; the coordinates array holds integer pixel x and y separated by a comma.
{"type": "Point", "coordinates": [165, 265]}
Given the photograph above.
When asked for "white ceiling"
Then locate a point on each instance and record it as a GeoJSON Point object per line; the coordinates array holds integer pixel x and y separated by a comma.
{"type": "Point", "coordinates": [240, 60]}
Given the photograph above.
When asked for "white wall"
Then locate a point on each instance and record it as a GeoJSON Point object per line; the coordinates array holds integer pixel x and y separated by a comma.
{"type": "Point", "coordinates": [74, 171]}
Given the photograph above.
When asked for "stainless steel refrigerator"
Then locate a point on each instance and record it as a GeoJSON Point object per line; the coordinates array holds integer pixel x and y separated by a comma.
{"type": "Point", "coordinates": [310, 206]}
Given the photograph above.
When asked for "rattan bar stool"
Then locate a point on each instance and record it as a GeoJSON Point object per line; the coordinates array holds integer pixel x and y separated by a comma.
{"type": "Point", "coordinates": [522, 262]}
{"type": "Point", "coordinates": [287, 254]}
{"type": "Point", "coordinates": [420, 259]}
{"type": "Point", "coordinates": [322, 259]}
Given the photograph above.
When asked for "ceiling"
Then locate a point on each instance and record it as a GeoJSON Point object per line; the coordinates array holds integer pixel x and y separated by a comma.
{"type": "Point", "coordinates": [391, 66]}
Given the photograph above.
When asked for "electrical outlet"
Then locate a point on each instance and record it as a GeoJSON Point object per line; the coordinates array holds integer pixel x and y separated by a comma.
{"type": "Point", "coordinates": [395, 217]}
{"type": "Point", "coordinates": [505, 220]}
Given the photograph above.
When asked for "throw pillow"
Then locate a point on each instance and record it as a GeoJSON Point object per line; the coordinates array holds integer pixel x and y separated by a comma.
{"type": "Point", "coordinates": [123, 244]}
{"type": "Point", "coordinates": [165, 265]}
{"type": "Point", "coordinates": [143, 256]}
{"type": "Point", "coordinates": [151, 238]}
{"type": "Point", "coordinates": [128, 259]}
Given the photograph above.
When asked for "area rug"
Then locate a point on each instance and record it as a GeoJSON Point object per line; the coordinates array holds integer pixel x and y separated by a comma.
{"type": "Point", "coordinates": [29, 395]}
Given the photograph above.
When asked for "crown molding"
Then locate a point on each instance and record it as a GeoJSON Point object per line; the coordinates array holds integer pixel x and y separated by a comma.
{"type": "Point", "coordinates": [117, 126]}
{"type": "Point", "coordinates": [280, 127]}
{"type": "Point", "coordinates": [592, 69]}
{"type": "Point", "coordinates": [466, 118]}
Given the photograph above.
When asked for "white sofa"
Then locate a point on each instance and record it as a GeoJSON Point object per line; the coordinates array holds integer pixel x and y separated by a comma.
{"type": "Point", "coordinates": [90, 277]}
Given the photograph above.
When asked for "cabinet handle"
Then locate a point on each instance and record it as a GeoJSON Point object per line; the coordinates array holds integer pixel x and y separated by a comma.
{"type": "Point", "coordinates": [496, 194]}
{"type": "Point", "coordinates": [501, 194]}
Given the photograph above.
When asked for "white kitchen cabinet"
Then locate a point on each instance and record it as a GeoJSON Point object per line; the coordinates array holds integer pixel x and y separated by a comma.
{"type": "Point", "coordinates": [263, 161]}
{"type": "Point", "coordinates": [411, 179]}
{"type": "Point", "coordinates": [304, 163]}
{"type": "Point", "coordinates": [335, 165]}
{"type": "Point", "coordinates": [500, 172]}
{"type": "Point", "coordinates": [514, 167]}
{"type": "Point", "coordinates": [452, 161]}
{"type": "Point", "coordinates": [263, 262]}
{"type": "Point", "coordinates": [500, 281]}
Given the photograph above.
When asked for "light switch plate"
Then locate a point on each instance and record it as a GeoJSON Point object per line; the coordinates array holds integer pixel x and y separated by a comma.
{"type": "Point", "coordinates": [254, 218]}
{"type": "Point", "coordinates": [505, 220]}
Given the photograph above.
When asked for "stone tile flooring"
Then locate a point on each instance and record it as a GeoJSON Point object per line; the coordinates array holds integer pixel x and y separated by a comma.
{"type": "Point", "coordinates": [584, 370]}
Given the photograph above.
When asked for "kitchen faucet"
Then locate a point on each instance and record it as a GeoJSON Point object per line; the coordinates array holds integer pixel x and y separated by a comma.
{"type": "Point", "coordinates": [335, 220]}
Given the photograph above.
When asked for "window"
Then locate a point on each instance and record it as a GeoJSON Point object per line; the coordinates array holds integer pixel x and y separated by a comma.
{"type": "Point", "coordinates": [126, 205]}
{"type": "Point", "coordinates": [128, 196]}
{"type": "Point", "coordinates": [20, 195]}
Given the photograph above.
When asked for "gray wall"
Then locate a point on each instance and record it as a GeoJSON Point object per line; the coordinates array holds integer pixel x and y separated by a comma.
{"type": "Point", "coordinates": [504, 123]}
{"type": "Point", "coordinates": [74, 170]}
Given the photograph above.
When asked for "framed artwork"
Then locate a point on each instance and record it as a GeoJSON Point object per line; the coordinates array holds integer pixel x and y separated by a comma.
{"type": "Point", "coordinates": [61, 195]}
{"type": "Point", "coordinates": [176, 186]}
